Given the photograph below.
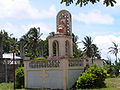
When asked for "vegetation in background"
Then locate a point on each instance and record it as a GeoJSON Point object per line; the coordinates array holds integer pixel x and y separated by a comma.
{"type": "Point", "coordinates": [113, 68]}
{"type": "Point", "coordinates": [114, 50]}
{"type": "Point", "coordinates": [32, 42]}
{"type": "Point", "coordinates": [93, 77]}
{"type": "Point", "coordinates": [8, 42]}
{"type": "Point", "coordinates": [90, 49]}
{"type": "Point", "coordinates": [77, 52]}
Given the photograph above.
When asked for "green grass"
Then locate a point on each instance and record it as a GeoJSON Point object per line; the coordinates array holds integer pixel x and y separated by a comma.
{"type": "Point", "coordinates": [111, 83]}
{"type": "Point", "coordinates": [6, 86]}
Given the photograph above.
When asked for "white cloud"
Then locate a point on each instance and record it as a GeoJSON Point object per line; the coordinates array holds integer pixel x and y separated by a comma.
{"type": "Point", "coordinates": [118, 2]}
{"type": "Point", "coordinates": [104, 42]}
{"type": "Point", "coordinates": [94, 17]}
{"type": "Point", "coordinates": [23, 9]}
{"type": "Point", "coordinates": [8, 27]}
{"type": "Point", "coordinates": [44, 28]}
{"type": "Point", "coordinates": [19, 31]}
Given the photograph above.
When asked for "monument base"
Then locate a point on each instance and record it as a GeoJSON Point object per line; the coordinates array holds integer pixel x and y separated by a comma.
{"type": "Point", "coordinates": [53, 73]}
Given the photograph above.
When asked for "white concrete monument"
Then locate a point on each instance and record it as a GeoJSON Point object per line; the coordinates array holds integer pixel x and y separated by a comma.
{"type": "Point", "coordinates": [61, 69]}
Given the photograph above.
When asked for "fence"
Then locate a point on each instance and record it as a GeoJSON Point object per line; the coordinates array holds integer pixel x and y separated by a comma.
{"type": "Point", "coordinates": [7, 70]}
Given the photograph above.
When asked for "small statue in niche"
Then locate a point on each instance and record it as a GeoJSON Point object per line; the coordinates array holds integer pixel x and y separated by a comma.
{"type": "Point", "coordinates": [62, 27]}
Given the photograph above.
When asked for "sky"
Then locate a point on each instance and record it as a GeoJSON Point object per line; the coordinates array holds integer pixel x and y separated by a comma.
{"type": "Point", "coordinates": [100, 22]}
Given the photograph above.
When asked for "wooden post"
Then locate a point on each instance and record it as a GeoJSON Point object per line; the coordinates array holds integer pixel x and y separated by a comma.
{"type": "Point", "coordinates": [6, 73]}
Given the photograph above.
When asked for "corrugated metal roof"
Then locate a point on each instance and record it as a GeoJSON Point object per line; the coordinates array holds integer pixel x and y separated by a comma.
{"type": "Point", "coordinates": [10, 55]}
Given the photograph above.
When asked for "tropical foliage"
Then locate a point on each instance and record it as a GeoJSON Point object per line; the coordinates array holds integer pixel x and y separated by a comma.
{"type": "Point", "coordinates": [85, 2]}
{"type": "Point", "coordinates": [93, 77]}
{"type": "Point", "coordinates": [77, 52]}
{"type": "Point", "coordinates": [32, 42]}
{"type": "Point", "coordinates": [90, 49]}
{"type": "Point", "coordinates": [114, 50]}
{"type": "Point", "coordinates": [8, 41]}
{"type": "Point", "coordinates": [112, 68]}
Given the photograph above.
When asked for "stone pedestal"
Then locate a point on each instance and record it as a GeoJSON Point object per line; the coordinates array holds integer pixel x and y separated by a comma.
{"type": "Point", "coordinates": [52, 73]}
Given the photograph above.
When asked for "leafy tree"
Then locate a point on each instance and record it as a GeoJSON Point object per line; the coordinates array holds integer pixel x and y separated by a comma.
{"type": "Point", "coordinates": [114, 49]}
{"type": "Point", "coordinates": [117, 67]}
{"type": "Point", "coordinates": [45, 42]}
{"type": "Point", "coordinates": [8, 42]}
{"type": "Point", "coordinates": [95, 52]}
{"type": "Point", "coordinates": [110, 67]}
{"type": "Point", "coordinates": [77, 52]}
{"type": "Point", "coordinates": [85, 2]}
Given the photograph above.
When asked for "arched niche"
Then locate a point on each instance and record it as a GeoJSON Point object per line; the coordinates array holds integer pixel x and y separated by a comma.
{"type": "Point", "coordinates": [67, 48]}
{"type": "Point", "coordinates": [55, 47]}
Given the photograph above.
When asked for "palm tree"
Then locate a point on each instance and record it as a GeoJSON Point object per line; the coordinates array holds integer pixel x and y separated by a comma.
{"type": "Point", "coordinates": [114, 49]}
{"type": "Point", "coordinates": [33, 40]}
{"type": "Point", "coordinates": [90, 49]}
{"type": "Point", "coordinates": [95, 52]}
{"type": "Point", "coordinates": [87, 46]}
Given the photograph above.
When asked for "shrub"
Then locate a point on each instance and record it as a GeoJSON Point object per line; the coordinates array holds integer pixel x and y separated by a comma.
{"type": "Point", "coordinates": [19, 73]}
{"type": "Point", "coordinates": [93, 77]}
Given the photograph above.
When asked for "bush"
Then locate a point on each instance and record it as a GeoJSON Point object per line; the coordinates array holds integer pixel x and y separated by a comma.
{"type": "Point", "coordinates": [93, 77]}
{"type": "Point", "coordinates": [19, 73]}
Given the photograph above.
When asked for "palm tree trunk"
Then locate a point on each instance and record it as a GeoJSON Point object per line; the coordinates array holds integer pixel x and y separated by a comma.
{"type": "Point", "coordinates": [116, 57]}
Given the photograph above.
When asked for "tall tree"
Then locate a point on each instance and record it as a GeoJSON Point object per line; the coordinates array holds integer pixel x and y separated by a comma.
{"type": "Point", "coordinates": [95, 52]}
{"type": "Point", "coordinates": [32, 39]}
{"type": "Point", "coordinates": [77, 52]}
{"type": "Point", "coordinates": [90, 49]}
{"type": "Point", "coordinates": [114, 49]}
{"type": "Point", "coordinates": [45, 52]}
{"type": "Point", "coordinates": [85, 2]}
{"type": "Point", "coordinates": [7, 41]}
{"type": "Point", "coordinates": [87, 42]}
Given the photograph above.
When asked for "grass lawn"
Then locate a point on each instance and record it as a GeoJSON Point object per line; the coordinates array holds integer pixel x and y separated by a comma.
{"type": "Point", "coordinates": [111, 83]}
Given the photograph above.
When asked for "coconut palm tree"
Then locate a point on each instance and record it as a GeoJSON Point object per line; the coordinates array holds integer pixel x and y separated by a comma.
{"type": "Point", "coordinates": [90, 49]}
{"type": "Point", "coordinates": [95, 52]}
{"type": "Point", "coordinates": [33, 40]}
{"type": "Point", "coordinates": [87, 42]}
{"type": "Point", "coordinates": [114, 49]}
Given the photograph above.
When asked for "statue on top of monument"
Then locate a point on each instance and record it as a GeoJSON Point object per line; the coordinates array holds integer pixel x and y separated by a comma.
{"type": "Point", "coordinates": [63, 22]}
